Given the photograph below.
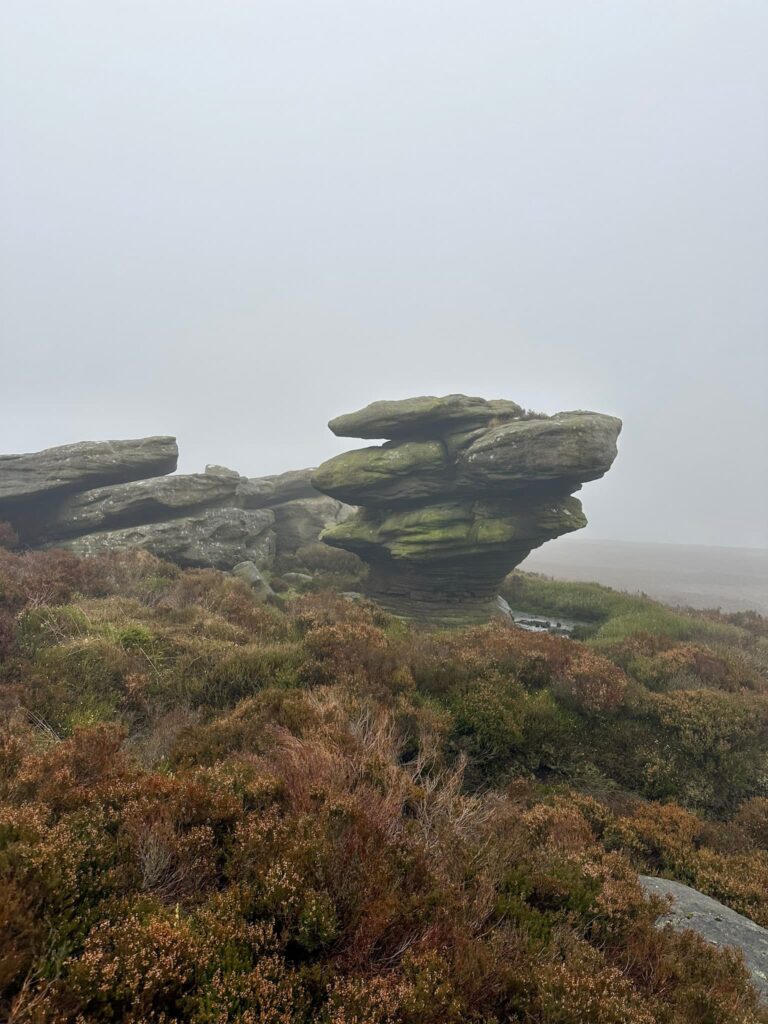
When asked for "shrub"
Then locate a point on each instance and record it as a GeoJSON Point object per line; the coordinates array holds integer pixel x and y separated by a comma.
{"type": "Point", "coordinates": [327, 815]}
{"type": "Point", "coordinates": [591, 683]}
{"type": "Point", "coordinates": [9, 539]}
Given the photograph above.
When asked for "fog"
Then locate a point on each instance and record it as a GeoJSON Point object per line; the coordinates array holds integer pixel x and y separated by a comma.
{"type": "Point", "coordinates": [230, 221]}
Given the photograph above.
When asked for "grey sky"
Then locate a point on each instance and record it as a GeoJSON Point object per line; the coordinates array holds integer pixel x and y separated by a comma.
{"type": "Point", "coordinates": [231, 221]}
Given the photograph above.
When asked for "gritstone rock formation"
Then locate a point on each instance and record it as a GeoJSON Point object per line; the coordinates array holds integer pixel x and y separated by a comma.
{"type": "Point", "coordinates": [96, 496]}
{"type": "Point", "coordinates": [461, 492]}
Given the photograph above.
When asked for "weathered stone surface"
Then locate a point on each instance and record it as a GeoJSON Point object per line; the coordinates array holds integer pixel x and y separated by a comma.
{"type": "Point", "coordinates": [457, 531]}
{"type": "Point", "coordinates": [573, 446]}
{"type": "Point", "coordinates": [132, 504]}
{"type": "Point", "coordinates": [302, 521]}
{"type": "Point", "coordinates": [716, 923]}
{"type": "Point", "coordinates": [424, 417]}
{"type": "Point", "coordinates": [215, 537]}
{"type": "Point", "coordinates": [214, 469]}
{"type": "Point", "coordinates": [91, 497]}
{"type": "Point", "coordinates": [268, 491]}
{"type": "Point", "coordinates": [249, 573]}
{"type": "Point", "coordinates": [77, 467]}
{"type": "Point", "coordinates": [443, 518]}
{"type": "Point", "coordinates": [396, 472]}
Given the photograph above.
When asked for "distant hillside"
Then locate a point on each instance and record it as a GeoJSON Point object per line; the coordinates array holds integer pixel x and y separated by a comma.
{"type": "Point", "coordinates": [734, 579]}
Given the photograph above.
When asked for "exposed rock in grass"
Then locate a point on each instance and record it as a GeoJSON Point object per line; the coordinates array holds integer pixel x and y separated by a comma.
{"type": "Point", "coordinates": [716, 923]}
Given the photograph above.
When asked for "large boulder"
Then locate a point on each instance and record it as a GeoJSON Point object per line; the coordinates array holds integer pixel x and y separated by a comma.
{"type": "Point", "coordinates": [69, 468]}
{"type": "Point", "coordinates": [570, 447]}
{"type": "Point", "coordinates": [405, 471]}
{"type": "Point", "coordinates": [250, 573]}
{"type": "Point", "coordinates": [218, 537]}
{"type": "Point", "coordinates": [552, 455]}
{"type": "Point", "coordinates": [714, 922]}
{"type": "Point", "coordinates": [268, 491]}
{"type": "Point", "coordinates": [301, 521]}
{"type": "Point", "coordinates": [137, 503]}
{"type": "Point", "coordinates": [424, 417]}
{"type": "Point", "coordinates": [462, 492]}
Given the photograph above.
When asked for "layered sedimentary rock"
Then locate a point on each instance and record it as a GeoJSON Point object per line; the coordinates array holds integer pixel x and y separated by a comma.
{"type": "Point", "coordinates": [268, 491]}
{"type": "Point", "coordinates": [99, 496]}
{"type": "Point", "coordinates": [69, 468]}
{"type": "Point", "coordinates": [133, 504]}
{"type": "Point", "coordinates": [461, 492]}
{"type": "Point", "coordinates": [219, 538]}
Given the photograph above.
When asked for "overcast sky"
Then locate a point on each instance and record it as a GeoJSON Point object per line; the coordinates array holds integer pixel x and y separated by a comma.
{"type": "Point", "coordinates": [231, 221]}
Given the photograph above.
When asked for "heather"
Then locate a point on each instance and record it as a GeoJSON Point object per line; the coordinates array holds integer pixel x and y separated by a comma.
{"type": "Point", "coordinates": [217, 810]}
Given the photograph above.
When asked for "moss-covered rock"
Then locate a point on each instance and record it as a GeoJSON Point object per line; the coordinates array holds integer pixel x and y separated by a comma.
{"type": "Point", "coordinates": [457, 529]}
{"type": "Point", "coordinates": [409, 471]}
{"type": "Point", "coordinates": [466, 492]}
{"type": "Point", "coordinates": [217, 537]}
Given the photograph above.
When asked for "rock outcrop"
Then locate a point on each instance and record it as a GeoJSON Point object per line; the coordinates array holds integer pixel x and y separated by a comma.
{"type": "Point", "coordinates": [216, 537]}
{"type": "Point", "coordinates": [131, 504]}
{"type": "Point", "coordinates": [92, 497]}
{"type": "Point", "coordinates": [460, 493]}
{"type": "Point", "coordinates": [714, 922]}
{"type": "Point", "coordinates": [69, 468]}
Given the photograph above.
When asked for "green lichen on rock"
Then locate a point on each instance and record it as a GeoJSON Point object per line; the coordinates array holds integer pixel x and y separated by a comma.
{"type": "Point", "coordinates": [468, 490]}
{"type": "Point", "coordinates": [457, 529]}
{"type": "Point", "coordinates": [392, 472]}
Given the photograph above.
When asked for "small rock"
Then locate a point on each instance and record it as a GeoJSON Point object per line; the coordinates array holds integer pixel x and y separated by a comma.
{"type": "Point", "coordinates": [249, 572]}
{"type": "Point", "coordinates": [295, 578]}
{"type": "Point", "coordinates": [213, 470]}
{"type": "Point", "coordinates": [715, 923]}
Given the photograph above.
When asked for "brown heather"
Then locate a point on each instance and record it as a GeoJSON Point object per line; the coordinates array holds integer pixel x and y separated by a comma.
{"type": "Point", "coordinates": [212, 811]}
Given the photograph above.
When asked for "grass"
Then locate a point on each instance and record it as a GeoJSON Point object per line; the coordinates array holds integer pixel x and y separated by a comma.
{"type": "Point", "coordinates": [614, 615]}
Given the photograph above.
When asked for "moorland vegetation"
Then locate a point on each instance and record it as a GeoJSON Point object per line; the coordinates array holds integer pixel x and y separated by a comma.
{"type": "Point", "coordinates": [217, 810]}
